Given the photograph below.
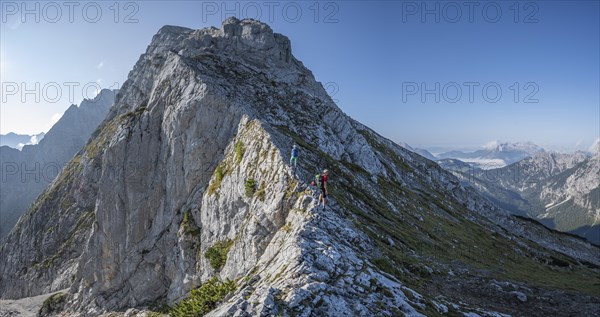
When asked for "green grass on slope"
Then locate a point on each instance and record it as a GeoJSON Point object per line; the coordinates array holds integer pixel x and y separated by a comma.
{"type": "Point", "coordinates": [250, 187]}
{"type": "Point", "coordinates": [240, 150]}
{"type": "Point", "coordinates": [443, 234]}
{"type": "Point", "coordinates": [203, 299]}
{"type": "Point", "coordinates": [53, 304]}
{"type": "Point", "coordinates": [217, 254]}
{"type": "Point", "coordinates": [432, 232]}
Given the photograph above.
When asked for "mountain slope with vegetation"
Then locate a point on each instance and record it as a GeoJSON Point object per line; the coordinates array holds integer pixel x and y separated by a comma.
{"type": "Point", "coordinates": [562, 191]}
{"type": "Point", "coordinates": [184, 202]}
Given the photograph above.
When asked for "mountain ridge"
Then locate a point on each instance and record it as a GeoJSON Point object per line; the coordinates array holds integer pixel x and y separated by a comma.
{"type": "Point", "coordinates": [495, 154]}
{"type": "Point", "coordinates": [28, 171]}
{"type": "Point", "coordinates": [187, 179]}
{"type": "Point", "coordinates": [17, 141]}
{"type": "Point", "coordinates": [559, 190]}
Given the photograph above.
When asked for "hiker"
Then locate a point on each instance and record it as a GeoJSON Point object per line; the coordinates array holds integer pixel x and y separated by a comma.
{"type": "Point", "coordinates": [321, 180]}
{"type": "Point", "coordinates": [294, 158]}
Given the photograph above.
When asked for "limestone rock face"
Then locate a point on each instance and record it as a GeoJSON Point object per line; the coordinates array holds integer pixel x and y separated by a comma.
{"type": "Point", "coordinates": [188, 178]}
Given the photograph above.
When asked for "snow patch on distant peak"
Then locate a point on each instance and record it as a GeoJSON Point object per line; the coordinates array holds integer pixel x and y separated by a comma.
{"type": "Point", "coordinates": [595, 147]}
{"type": "Point", "coordinates": [496, 145]}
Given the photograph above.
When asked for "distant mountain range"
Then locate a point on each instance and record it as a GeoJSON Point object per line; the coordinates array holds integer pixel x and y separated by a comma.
{"type": "Point", "coordinates": [562, 191]}
{"type": "Point", "coordinates": [27, 172]}
{"type": "Point", "coordinates": [494, 154]}
{"type": "Point", "coordinates": [424, 153]}
{"type": "Point", "coordinates": [17, 141]}
{"type": "Point", "coordinates": [184, 201]}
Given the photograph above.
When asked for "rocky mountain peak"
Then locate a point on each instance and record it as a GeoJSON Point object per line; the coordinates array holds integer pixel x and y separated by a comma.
{"type": "Point", "coordinates": [245, 39]}
{"type": "Point", "coordinates": [188, 182]}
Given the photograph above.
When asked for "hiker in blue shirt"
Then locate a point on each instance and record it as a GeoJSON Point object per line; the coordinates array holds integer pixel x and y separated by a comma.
{"type": "Point", "coordinates": [294, 158]}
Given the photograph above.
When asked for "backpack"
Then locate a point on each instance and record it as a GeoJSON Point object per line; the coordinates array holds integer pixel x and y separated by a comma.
{"type": "Point", "coordinates": [319, 180]}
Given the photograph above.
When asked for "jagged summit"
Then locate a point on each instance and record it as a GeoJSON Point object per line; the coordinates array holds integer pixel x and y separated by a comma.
{"type": "Point", "coordinates": [188, 180]}
{"type": "Point", "coordinates": [246, 38]}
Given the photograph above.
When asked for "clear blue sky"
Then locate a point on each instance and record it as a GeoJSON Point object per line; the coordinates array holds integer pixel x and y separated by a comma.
{"type": "Point", "coordinates": [375, 56]}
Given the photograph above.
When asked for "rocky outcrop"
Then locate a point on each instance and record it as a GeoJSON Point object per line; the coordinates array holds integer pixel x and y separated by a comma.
{"type": "Point", "coordinates": [188, 179]}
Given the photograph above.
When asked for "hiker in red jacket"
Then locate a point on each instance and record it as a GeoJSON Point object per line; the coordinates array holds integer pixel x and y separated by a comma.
{"type": "Point", "coordinates": [322, 185]}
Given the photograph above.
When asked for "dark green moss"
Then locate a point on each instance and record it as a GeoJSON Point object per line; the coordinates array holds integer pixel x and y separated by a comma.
{"type": "Point", "coordinates": [53, 304]}
{"type": "Point", "coordinates": [385, 265]}
{"type": "Point", "coordinates": [203, 299]}
{"type": "Point", "coordinates": [240, 150]}
{"type": "Point", "coordinates": [250, 187]}
{"type": "Point", "coordinates": [217, 254]}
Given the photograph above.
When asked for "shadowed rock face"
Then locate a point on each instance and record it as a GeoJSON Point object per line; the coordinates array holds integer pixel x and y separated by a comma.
{"type": "Point", "coordinates": [26, 173]}
{"type": "Point", "coordinates": [192, 161]}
